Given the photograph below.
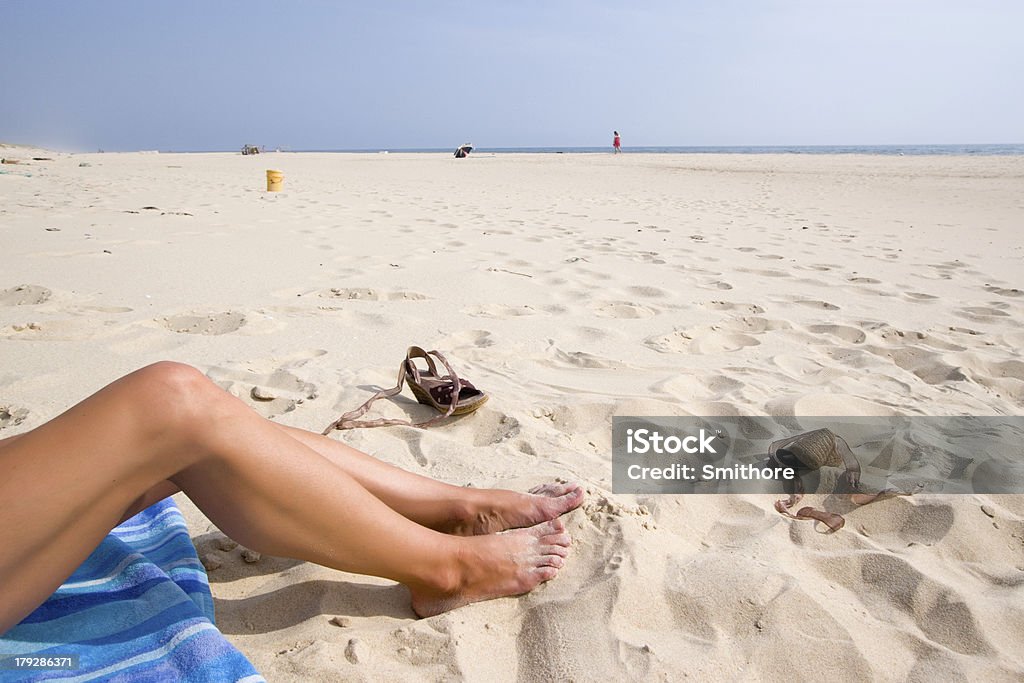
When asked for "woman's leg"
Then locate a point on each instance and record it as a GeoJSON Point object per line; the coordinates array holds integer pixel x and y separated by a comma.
{"type": "Point", "coordinates": [440, 506]}
{"type": "Point", "coordinates": [459, 510]}
{"type": "Point", "coordinates": [68, 482]}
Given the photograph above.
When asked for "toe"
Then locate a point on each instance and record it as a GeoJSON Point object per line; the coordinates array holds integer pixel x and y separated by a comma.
{"type": "Point", "coordinates": [573, 498]}
{"type": "Point", "coordinates": [555, 490]}
{"type": "Point", "coordinates": [560, 550]}
{"type": "Point", "coordinates": [562, 539]}
{"type": "Point", "coordinates": [552, 561]}
{"type": "Point", "coordinates": [553, 526]}
{"type": "Point", "coordinates": [545, 573]}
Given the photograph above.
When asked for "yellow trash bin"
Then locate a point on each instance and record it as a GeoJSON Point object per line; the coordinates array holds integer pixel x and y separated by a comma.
{"type": "Point", "coordinates": [275, 181]}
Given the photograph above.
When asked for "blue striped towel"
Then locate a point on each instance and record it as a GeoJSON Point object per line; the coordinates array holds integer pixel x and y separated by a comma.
{"type": "Point", "coordinates": [138, 609]}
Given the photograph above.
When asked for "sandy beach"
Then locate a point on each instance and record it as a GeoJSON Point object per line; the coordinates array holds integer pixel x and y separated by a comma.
{"type": "Point", "coordinates": [572, 288]}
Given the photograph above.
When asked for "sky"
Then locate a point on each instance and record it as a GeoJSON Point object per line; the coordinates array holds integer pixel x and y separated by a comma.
{"type": "Point", "coordinates": [190, 75]}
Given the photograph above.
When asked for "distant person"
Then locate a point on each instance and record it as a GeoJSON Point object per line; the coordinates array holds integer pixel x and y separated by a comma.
{"type": "Point", "coordinates": [616, 142]}
{"type": "Point", "coordinates": [463, 151]}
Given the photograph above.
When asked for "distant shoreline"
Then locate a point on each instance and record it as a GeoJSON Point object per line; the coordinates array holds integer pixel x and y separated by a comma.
{"type": "Point", "coordinates": [889, 150]}
{"type": "Point", "coordinates": [1002, 149]}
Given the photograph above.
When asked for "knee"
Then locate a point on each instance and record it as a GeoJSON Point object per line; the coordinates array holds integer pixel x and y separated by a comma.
{"type": "Point", "coordinates": [172, 378]}
{"type": "Point", "coordinates": [173, 393]}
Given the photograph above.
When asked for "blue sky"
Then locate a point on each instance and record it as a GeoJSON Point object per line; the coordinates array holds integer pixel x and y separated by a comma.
{"type": "Point", "coordinates": [302, 74]}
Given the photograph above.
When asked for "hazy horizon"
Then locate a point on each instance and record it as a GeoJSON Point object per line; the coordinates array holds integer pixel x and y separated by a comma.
{"type": "Point", "coordinates": [318, 75]}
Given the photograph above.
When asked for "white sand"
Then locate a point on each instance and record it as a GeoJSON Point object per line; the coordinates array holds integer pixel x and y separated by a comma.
{"type": "Point", "coordinates": [571, 288]}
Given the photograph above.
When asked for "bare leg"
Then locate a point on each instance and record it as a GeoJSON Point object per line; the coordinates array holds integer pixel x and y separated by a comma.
{"type": "Point", "coordinates": [451, 509]}
{"type": "Point", "coordinates": [440, 506]}
{"type": "Point", "coordinates": [68, 482]}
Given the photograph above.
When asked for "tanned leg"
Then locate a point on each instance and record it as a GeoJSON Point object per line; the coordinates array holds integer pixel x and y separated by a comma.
{"type": "Point", "coordinates": [441, 506]}
{"type": "Point", "coordinates": [69, 481]}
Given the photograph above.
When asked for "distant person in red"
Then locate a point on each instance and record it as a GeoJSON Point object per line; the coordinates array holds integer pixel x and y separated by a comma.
{"type": "Point", "coordinates": [617, 142]}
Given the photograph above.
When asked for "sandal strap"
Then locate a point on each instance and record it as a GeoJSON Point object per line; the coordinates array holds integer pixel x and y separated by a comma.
{"type": "Point", "coordinates": [417, 352]}
{"type": "Point", "coordinates": [451, 376]}
{"type": "Point", "coordinates": [349, 421]}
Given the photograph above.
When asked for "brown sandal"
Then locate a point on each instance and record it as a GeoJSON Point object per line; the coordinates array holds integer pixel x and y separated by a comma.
{"type": "Point", "coordinates": [447, 394]}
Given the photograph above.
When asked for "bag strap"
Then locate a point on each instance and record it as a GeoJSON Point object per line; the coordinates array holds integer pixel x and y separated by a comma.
{"type": "Point", "coordinates": [818, 448]}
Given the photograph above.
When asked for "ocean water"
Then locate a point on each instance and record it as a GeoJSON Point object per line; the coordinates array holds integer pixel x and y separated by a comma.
{"type": "Point", "coordinates": [889, 150]}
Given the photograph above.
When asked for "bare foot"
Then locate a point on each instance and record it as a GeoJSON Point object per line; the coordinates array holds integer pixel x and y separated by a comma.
{"type": "Point", "coordinates": [496, 510]}
{"type": "Point", "coordinates": [495, 566]}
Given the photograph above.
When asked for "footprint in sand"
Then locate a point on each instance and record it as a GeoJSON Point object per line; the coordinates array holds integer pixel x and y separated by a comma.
{"type": "Point", "coordinates": [1013, 369]}
{"type": "Point", "coordinates": [269, 393]}
{"type": "Point", "coordinates": [499, 311]}
{"type": "Point", "coordinates": [24, 295]}
{"type": "Point", "coordinates": [580, 359]}
{"type": "Point", "coordinates": [368, 294]}
{"type": "Point", "coordinates": [965, 330]}
{"type": "Point", "coordinates": [493, 427]}
{"type": "Point", "coordinates": [716, 305]}
{"type": "Point", "coordinates": [713, 284]}
{"type": "Point", "coordinates": [702, 341]}
{"type": "Point", "coordinates": [1003, 291]}
{"type": "Point", "coordinates": [421, 644]}
{"type": "Point", "coordinates": [826, 405]}
{"type": "Point", "coordinates": [210, 324]}
{"type": "Point", "coordinates": [811, 303]}
{"type": "Point", "coordinates": [688, 388]}
{"type": "Point", "coordinates": [717, 341]}
{"type": "Point", "coordinates": [805, 370]}
{"type": "Point", "coordinates": [697, 587]}
{"type": "Point", "coordinates": [884, 582]}
{"type": "Point", "coordinates": [82, 327]}
{"type": "Point", "coordinates": [1012, 339]}
{"type": "Point", "coordinates": [1005, 378]}
{"type": "Point", "coordinates": [919, 296]}
{"type": "Point", "coordinates": [764, 272]}
{"type": "Point", "coordinates": [850, 335]}
{"type": "Point", "coordinates": [624, 310]}
{"type": "Point", "coordinates": [479, 339]}
{"type": "Point", "coordinates": [982, 313]}
{"type": "Point", "coordinates": [553, 648]}
{"type": "Point", "coordinates": [752, 325]}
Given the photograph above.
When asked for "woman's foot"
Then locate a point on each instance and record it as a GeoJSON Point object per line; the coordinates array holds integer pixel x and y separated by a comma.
{"type": "Point", "coordinates": [495, 566]}
{"type": "Point", "coordinates": [489, 511]}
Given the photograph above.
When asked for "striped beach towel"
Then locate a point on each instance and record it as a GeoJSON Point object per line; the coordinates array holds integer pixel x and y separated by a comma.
{"type": "Point", "coordinates": [138, 609]}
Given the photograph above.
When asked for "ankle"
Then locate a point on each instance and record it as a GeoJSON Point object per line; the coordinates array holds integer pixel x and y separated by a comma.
{"type": "Point", "coordinates": [449, 575]}
{"type": "Point", "coordinates": [487, 511]}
